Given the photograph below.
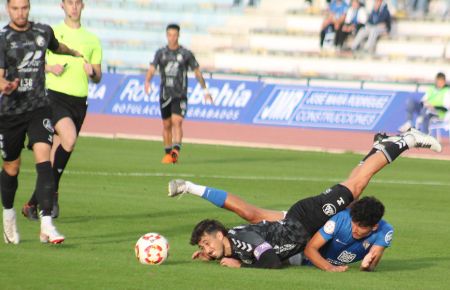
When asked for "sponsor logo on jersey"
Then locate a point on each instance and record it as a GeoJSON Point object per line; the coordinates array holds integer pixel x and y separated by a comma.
{"type": "Point", "coordinates": [341, 242]}
{"type": "Point", "coordinates": [283, 248]}
{"type": "Point", "coordinates": [329, 227]}
{"type": "Point", "coordinates": [179, 57]}
{"type": "Point", "coordinates": [329, 209]}
{"type": "Point", "coordinates": [346, 257]}
{"type": "Point", "coordinates": [340, 201]}
{"type": "Point", "coordinates": [388, 237]}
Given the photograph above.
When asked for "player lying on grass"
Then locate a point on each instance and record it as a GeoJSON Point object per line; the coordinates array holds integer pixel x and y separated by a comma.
{"type": "Point", "coordinates": [269, 243]}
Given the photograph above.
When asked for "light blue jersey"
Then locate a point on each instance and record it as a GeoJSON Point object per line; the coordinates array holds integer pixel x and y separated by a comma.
{"type": "Point", "coordinates": [342, 248]}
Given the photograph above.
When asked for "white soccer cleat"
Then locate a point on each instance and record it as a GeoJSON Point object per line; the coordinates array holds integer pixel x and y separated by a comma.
{"type": "Point", "coordinates": [177, 187]}
{"type": "Point", "coordinates": [49, 234]}
{"type": "Point", "coordinates": [421, 140]}
{"type": "Point", "coordinates": [10, 232]}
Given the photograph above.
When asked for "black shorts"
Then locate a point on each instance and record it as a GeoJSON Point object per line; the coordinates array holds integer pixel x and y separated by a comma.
{"type": "Point", "coordinates": [173, 105]}
{"type": "Point", "coordinates": [314, 212]}
{"type": "Point", "coordinates": [66, 106]}
{"type": "Point", "coordinates": [36, 124]}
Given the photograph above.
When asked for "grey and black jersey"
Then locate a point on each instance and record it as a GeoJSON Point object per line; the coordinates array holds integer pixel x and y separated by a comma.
{"type": "Point", "coordinates": [173, 66]}
{"type": "Point", "coordinates": [249, 242]}
{"type": "Point", "coordinates": [22, 56]}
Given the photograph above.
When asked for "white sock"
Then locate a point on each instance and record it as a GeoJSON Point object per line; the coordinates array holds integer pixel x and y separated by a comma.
{"type": "Point", "coordinates": [195, 189]}
{"type": "Point", "coordinates": [46, 221]}
{"type": "Point", "coordinates": [9, 214]}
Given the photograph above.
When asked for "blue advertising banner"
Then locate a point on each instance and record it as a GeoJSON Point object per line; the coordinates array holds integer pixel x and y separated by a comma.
{"type": "Point", "coordinates": [253, 102]}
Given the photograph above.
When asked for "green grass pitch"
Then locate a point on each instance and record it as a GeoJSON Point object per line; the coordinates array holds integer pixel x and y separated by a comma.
{"type": "Point", "coordinates": [116, 190]}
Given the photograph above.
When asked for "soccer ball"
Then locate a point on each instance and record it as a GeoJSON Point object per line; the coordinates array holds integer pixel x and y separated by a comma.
{"type": "Point", "coordinates": [151, 249]}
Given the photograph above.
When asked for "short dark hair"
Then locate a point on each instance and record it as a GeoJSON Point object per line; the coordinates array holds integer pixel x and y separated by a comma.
{"type": "Point", "coordinates": [173, 26]}
{"type": "Point", "coordinates": [367, 211]}
{"type": "Point", "coordinates": [206, 227]}
{"type": "Point", "coordinates": [440, 75]}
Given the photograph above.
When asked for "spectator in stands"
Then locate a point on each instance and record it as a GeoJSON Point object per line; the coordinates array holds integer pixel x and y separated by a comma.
{"type": "Point", "coordinates": [333, 21]}
{"type": "Point", "coordinates": [417, 8]}
{"type": "Point", "coordinates": [434, 104]}
{"type": "Point", "coordinates": [355, 19]}
{"type": "Point", "coordinates": [378, 24]}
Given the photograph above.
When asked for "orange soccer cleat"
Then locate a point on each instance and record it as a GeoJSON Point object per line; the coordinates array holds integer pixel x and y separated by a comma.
{"type": "Point", "coordinates": [167, 159]}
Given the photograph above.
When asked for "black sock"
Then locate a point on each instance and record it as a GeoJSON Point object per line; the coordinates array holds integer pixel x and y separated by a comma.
{"type": "Point", "coordinates": [8, 187]}
{"type": "Point", "coordinates": [59, 164]}
{"type": "Point", "coordinates": [392, 150]}
{"type": "Point", "coordinates": [45, 187]}
{"type": "Point", "coordinates": [168, 149]}
{"type": "Point", "coordinates": [177, 147]}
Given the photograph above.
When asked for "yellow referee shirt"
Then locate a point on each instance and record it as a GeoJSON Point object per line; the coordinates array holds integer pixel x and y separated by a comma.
{"type": "Point", "coordinates": [74, 80]}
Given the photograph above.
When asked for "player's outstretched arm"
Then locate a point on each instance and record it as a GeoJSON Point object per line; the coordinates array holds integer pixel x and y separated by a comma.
{"type": "Point", "coordinates": [372, 258]}
{"type": "Point", "coordinates": [7, 87]}
{"type": "Point", "coordinates": [64, 49]}
{"type": "Point", "coordinates": [201, 80]}
{"type": "Point", "coordinates": [148, 78]}
{"type": "Point", "coordinates": [313, 254]}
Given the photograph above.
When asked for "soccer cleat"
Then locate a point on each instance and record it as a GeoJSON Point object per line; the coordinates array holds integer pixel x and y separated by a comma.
{"type": "Point", "coordinates": [55, 208]}
{"type": "Point", "coordinates": [30, 212]}
{"type": "Point", "coordinates": [378, 137]}
{"type": "Point", "coordinates": [49, 234]}
{"type": "Point", "coordinates": [422, 140]}
{"type": "Point", "coordinates": [167, 159]}
{"type": "Point", "coordinates": [10, 232]}
{"type": "Point", "coordinates": [175, 153]}
{"type": "Point", "coordinates": [177, 187]}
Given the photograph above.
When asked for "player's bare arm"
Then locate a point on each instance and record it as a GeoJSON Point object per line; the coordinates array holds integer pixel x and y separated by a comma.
{"type": "Point", "coordinates": [93, 71]}
{"type": "Point", "coordinates": [7, 87]}
{"type": "Point", "coordinates": [201, 80]}
{"type": "Point", "coordinates": [148, 78]}
{"type": "Point", "coordinates": [372, 258]}
{"type": "Point", "coordinates": [313, 254]}
{"type": "Point", "coordinates": [64, 49]}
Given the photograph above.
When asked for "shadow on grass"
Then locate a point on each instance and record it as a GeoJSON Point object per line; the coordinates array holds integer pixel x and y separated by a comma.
{"type": "Point", "coordinates": [393, 265]}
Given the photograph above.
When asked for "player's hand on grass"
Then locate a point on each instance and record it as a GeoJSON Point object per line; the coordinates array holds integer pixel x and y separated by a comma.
{"type": "Point", "coordinates": [199, 255]}
{"type": "Point", "coordinates": [230, 262]}
{"type": "Point", "coordinates": [8, 87]}
{"type": "Point", "coordinates": [56, 69]}
{"type": "Point", "coordinates": [337, 269]}
{"type": "Point", "coordinates": [365, 264]}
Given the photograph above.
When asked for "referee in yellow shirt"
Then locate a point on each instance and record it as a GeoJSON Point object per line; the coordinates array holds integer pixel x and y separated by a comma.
{"type": "Point", "coordinates": [67, 83]}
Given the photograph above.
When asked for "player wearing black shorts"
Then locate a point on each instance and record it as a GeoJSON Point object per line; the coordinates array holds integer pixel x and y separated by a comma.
{"type": "Point", "coordinates": [173, 62]}
{"type": "Point", "coordinates": [67, 83]}
{"type": "Point", "coordinates": [25, 111]}
{"type": "Point", "coordinates": [269, 244]}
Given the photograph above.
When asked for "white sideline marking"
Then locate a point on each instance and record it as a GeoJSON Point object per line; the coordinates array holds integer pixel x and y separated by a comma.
{"type": "Point", "coordinates": [235, 177]}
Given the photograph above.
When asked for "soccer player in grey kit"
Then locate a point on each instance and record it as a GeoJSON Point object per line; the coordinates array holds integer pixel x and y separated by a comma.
{"type": "Point", "coordinates": [24, 110]}
{"type": "Point", "coordinates": [174, 61]}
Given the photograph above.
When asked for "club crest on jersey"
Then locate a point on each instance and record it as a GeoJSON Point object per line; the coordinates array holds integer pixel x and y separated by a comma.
{"type": "Point", "coordinates": [48, 125]}
{"type": "Point", "coordinates": [329, 227]}
{"type": "Point", "coordinates": [40, 41]}
{"type": "Point", "coordinates": [388, 237]}
{"type": "Point", "coordinates": [179, 57]}
{"type": "Point", "coordinates": [366, 244]}
{"type": "Point", "coordinates": [329, 209]}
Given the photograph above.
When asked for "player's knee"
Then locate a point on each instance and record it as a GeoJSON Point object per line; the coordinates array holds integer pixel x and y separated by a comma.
{"type": "Point", "coordinates": [12, 168]}
{"type": "Point", "coordinates": [68, 143]}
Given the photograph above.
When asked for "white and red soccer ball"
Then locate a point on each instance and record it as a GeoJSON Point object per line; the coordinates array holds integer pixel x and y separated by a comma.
{"type": "Point", "coordinates": [152, 249]}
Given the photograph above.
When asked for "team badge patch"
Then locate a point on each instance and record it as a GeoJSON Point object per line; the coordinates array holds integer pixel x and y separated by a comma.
{"type": "Point", "coordinates": [179, 57]}
{"type": "Point", "coordinates": [40, 41]}
{"type": "Point", "coordinates": [329, 227]}
{"type": "Point", "coordinates": [329, 209]}
{"type": "Point", "coordinates": [388, 237]}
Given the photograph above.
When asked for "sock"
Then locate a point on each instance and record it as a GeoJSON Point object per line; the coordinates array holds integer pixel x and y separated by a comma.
{"type": "Point", "coordinates": [45, 187]}
{"type": "Point", "coordinates": [9, 214]}
{"type": "Point", "coordinates": [33, 199]}
{"type": "Point", "coordinates": [46, 221]}
{"type": "Point", "coordinates": [195, 189]}
{"type": "Point", "coordinates": [215, 196]}
{"type": "Point", "coordinates": [8, 187]}
{"type": "Point", "coordinates": [177, 147]}
{"type": "Point", "coordinates": [392, 150]}
{"type": "Point", "coordinates": [59, 164]}
{"type": "Point", "coordinates": [168, 149]}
